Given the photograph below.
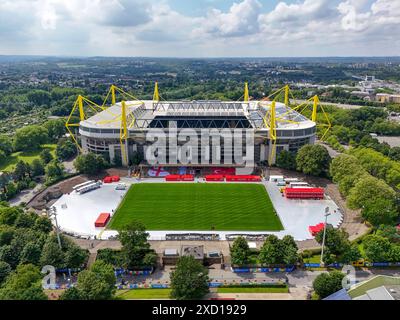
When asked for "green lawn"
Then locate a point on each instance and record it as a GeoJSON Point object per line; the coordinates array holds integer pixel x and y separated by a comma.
{"type": "Point", "coordinates": [252, 290]}
{"type": "Point", "coordinates": [143, 294]}
{"type": "Point", "coordinates": [198, 206]}
{"type": "Point", "coordinates": [9, 163]}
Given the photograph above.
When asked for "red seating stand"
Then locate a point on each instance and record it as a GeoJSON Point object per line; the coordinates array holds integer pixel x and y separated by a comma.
{"type": "Point", "coordinates": [304, 193]}
{"type": "Point", "coordinates": [243, 178]}
{"type": "Point", "coordinates": [215, 177]}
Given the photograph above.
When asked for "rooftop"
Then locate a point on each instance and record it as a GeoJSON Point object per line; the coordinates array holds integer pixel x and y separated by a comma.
{"type": "Point", "coordinates": [141, 113]}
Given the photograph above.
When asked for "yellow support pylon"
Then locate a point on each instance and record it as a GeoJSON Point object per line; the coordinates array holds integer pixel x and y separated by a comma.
{"type": "Point", "coordinates": [123, 133]}
{"type": "Point", "coordinates": [156, 96]}
{"type": "Point", "coordinates": [287, 95]}
{"type": "Point", "coordinates": [315, 108]}
{"type": "Point", "coordinates": [246, 92]}
{"type": "Point", "coordinates": [80, 105]}
{"type": "Point", "coordinates": [113, 99]}
{"type": "Point", "coordinates": [272, 132]}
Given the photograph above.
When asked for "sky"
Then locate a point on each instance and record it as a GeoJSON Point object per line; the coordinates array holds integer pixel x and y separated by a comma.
{"type": "Point", "coordinates": [200, 28]}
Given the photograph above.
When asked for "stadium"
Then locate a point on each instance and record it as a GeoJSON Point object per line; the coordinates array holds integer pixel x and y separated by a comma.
{"type": "Point", "coordinates": [199, 199]}
{"type": "Point", "coordinates": [119, 132]}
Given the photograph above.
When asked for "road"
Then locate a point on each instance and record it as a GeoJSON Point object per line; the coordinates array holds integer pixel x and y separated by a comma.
{"type": "Point", "coordinates": [298, 278]}
{"type": "Point", "coordinates": [25, 196]}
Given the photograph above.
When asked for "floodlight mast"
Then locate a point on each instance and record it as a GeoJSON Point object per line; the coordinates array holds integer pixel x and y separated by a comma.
{"type": "Point", "coordinates": [323, 237]}
{"type": "Point", "coordinates": [52, 212]}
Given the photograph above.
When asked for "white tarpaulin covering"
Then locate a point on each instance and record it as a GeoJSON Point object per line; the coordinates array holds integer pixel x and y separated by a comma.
{"type": "Point", "coordinates": [77, 213]}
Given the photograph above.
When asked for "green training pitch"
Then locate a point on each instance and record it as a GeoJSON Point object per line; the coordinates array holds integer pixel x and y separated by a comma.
{"type": "Point", "coordinates": [197, 206]}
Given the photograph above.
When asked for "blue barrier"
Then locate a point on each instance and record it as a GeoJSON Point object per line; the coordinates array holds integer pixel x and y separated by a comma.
{"type": "Point", "coordinates": [214, 284]}
{"type": "Point", "coordinates": [380, 264]}
{"type": "Point", "coordinates": [159, 286]}
{"type": "Point", "coordinates": [264, 269]}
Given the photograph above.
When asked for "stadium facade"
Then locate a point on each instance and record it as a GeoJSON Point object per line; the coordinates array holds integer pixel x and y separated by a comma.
{"type": "Point", "coordinates": [102, 132]}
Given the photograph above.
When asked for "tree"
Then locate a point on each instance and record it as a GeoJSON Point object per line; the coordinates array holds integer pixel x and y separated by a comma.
{"type": "Point", "coordinates": [23, 284]}
{"type": "Point", "coordinates": [134, 244]}
{"type": "Point", "coordinates": [6, 145]}
{"type": "Point", "coordinates": [313, 159]}
{"type": "Point", "coordinates": [286, 160]}
{"type": "Point", "coordinates": [10, 255]}
{"type": "Point", "coordinates": [289, 250]}
{"type": "Point", "coordinates": [394, 153]}
{"type": "Point", "coordinates": [31, 253]}
{"type": "Point", "coordinates": [43, 224]}
{"type": "Point", "coordinates": [52, 254]}
{"type": "Point", "coordinates": [71, 293]}
{"type": "Point", "coordinates": [37, 168]}
{"type": "Point", "coordinates": [26, 220]}
{"type": "Point", "coordinates": [106, 272]}
{"type": "Point", "coordinates": [55, 128]}
{"type": "Point", "coordinates": [39, 97]}
{"type": "Point", "coordinates": [351, 254]}
{"type": "Point", "coordinates": [11, 190]}
{"type": "Point", "coordinates": [380, 211]}
{"type": "Point", "coordinates": [376, 248]}
{"type": "Point", "coordinates": [5, 270]}
{"type": "Point", "coordinates": [98, 283]}
{"type": "Point", "coordinates": [54, 170]}
{"type": "Point", "coordinates": [326, 284]}
{"type": "Point", "coordinates": [189, 280]}
{"type": "Point", "coordinates": [21, 170]}
{"type": "Point", "coordinates": [30, 138]}
{"type": "Point", "coordinates": [8, 215]}
{"type": "Point", "coordinates": [367, 191]}
{"type": "Point", "coordinates": [270, 252]}
{"type": "Point", "coordinates": [240, 251]}
{"type": "Point", "coordinates": [336, 240]}
{"type": "Point", "coordinates": [66, 149]}
{"type": "Point", "coordinates": [89, 163]}
{"type": "Point", "coordinates": [46, 156]}
{"type": "Point", "coordinates": [75, 257]}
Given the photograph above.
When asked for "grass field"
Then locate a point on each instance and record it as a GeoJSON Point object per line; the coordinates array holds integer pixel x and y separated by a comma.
{"type": "Point", "coordinates": [143, 294]}
{"type": "Point", "coordinates": [252, 290]}
{"type": "Point", "coordinates": [198, 206]}
{"type": "Point", "coordinates": [9, 163]}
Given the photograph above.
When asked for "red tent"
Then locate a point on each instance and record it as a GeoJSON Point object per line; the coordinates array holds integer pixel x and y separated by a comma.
{"type": "Point", "coordinates": [317, 228]}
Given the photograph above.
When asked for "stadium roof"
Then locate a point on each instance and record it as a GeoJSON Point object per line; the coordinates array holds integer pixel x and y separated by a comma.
{"type": "Point", "coordinates": [141, 113]}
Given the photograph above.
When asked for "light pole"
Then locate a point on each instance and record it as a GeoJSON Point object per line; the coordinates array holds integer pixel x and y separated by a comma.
{"type": "Point", "coordinates": [52, 212]}
{"type": "Point", "coordinates": [323, 237]}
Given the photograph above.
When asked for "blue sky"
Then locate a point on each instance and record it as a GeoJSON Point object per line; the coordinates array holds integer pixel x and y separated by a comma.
{"type": "Point", "coordinates": [200, 28]}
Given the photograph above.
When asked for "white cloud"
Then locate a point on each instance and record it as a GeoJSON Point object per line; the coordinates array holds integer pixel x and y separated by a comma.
{"type": "Point", "coordinates": [140, 27]}
{"type": "Point", "coordinates": [241, 20]}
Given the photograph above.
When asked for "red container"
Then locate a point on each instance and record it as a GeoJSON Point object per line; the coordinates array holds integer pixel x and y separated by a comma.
{"type": "Point", "coordinates": [107, 180]}
{"type": "Point", "coordinates": [115, 178]}
{"type": "Point", "coordinates": [102, 220]}
{"type": "Point", "coordinates": [215, 177]}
